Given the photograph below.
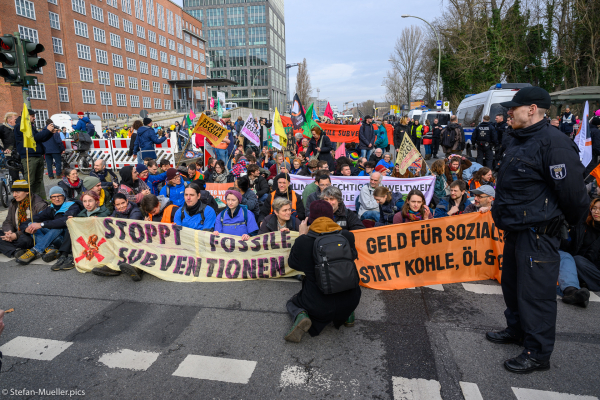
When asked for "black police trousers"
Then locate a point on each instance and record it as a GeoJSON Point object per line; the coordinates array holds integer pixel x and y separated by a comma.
{"type": "Point", "coordinates": [530, 268]}
{"type": "Point", "coordinates": [485, 152]}
{"type": "Point", "coordinates": [435, 147]}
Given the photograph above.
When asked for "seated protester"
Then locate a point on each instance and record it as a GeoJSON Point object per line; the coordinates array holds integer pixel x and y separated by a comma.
{"type": "Point", "coordinates": [340, 162]}
{"type": "Point", "coordinates": [241, 166]}
{"type": "Point", "coordinates": [126, 210]}
{"type": "Point", "coordinates": [414, 209]}
{"type": "Point", "coordinates": [156, 178]}
{"type": "Point", "coordinates": [194, 213]}
{"type": "Point", "coordinates": [175, 188]}
{"type": "Point", "coordinates": [297, 166]}
{"type": "Point", "coordinates": [49, 227]}
{"type": "Point", "coordinates": [368, 207]}
{"type": "Point", "coordinates": [345, 170]}
{"type": "Point", "coordinates": [312, 187]}
{"type": "Point", "coordinates": [92, 207]}
{"type": "Point", "coordinates": [369, 168]}
{"type": "Point", "coordinates": [71, 184]}
{"type": "Point", "coordinates": [14, 241]}
{"type": "Point", "coordinates": [580, 260]}
{"type": "Point", "coordinates": [387, 205]}
{"type": "Point", "coordinates": [280, 166]}
{"type": "Point", "coordinates": [482, 177]}
{"type": "Point", "coordinates": [210, 167]}
{"type": "Point", "coordinates": [93, 183]}
{"type": "Point", "coordinates": [455, 167]}
{"type": "Point", "coordinates": [309, 168]}
{"type": "Point", "coordinates": [322, 181]}
{"type": "Point", "coordinates": [235, 219]}
{"type": "Point", "coordinates": [455, 203]}
{"type": "Point", "coordinates": [249, 198]}
{"type": "Point", "coordinates": [193, 174]}
{"type": "Point", "coordinates": [382, 170]}
{"type": "Point", "coordinates": [484, 198]}
{"type": "Point", "coordinates": [360, 165]}
{"type": "Point", "coordinates": [342, 216]}
{"type": "Point", "coordinates": [386, 162]}
{"type": "Point", "coordinates": [158, 209]}
{"type": "Point", "coordinates": [281, 218]}
{"type": "Point", "coordinates": [438, 169]}
{"type": "Point", "coordinates": [411, 172]}
{"type": "Point", "coordinates": [206, 197]}
{"type": "Point", "coordinates": [258, 183]}
{"type": "Point", "coordinates": [131, 185]}
{"type": "Point", "coordinates": [107, 177]}
{"type": "Point", "coordinates": [283, 190]}
{"type": "Point", "coordinates": [220, 174]}
{"type": "Point", "coordinates": [311, 309]}
{"type": "Point", "coordinates": [376, 156]}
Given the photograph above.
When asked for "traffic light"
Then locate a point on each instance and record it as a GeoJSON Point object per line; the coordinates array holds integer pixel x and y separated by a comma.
{"type": "Point", "coordinates": [32, 62]}
{"type": "Point", "coordinates": [9, 57]}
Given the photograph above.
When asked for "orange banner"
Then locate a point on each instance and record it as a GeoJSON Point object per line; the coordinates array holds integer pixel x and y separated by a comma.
{"type": "Point", "coordinates": [341, 133]}
{"type": "Point", "coordinates": [218, 189]}
{"type": "Point", "coordinates": [445, 250]}
{"type": "Point", "coordinates": [210, 129]}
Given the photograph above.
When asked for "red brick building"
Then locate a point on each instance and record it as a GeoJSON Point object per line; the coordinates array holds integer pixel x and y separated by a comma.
{"type": "Point", "coordinates": [115, 54]}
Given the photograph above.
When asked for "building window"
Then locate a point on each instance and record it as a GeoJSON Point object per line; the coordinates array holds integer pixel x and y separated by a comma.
{"type": "Point", "coordinates": [25, 8]}
{"type": "Point", "coordinates": [97, 13]}
{"type": "Point", "coordinates": [195, 54]}
{"type": "Point", "coordinates": [103, 78]}
{"type": "Point", "coordinates": [162, 41]}
{"type": "Point", "coordinates": [83, 52]}
{"type": "Point", "coordinates": [131, 64]}
{"type": "Point", "coordinates": [143, 67]}
{"type": "Point", "coordinates": [150, 12]}
{"type": "Point", "coordinates": [218, 59]}
{"type": "Point", "coordinates": [181, 63]}
{"type": "Point", "coordinates": [171, 45]}
{"type": "Point", "coordinates": [99, 35]}
{"type": "Point", "coordinates": [119, 81]}
{"type": "Point", "coordinates": [81, 28]}
{"type": "Point", "coordinates": [57, 46]}
{"type": "Point", "coordinates": [235, 16]}
{"type": "Point", "coordinates": [106, 116]}
{"type": "Point", "coordinates": [178, 23]}
{"type": "Point", "coordinates": [173, 60]}
{"type": "Point", "coordinates": [133, 83]}
{"type": "Point", "coordinates": [151, 36]}
{"type": "Point", "coordinates": [163, 57]}
{"type": "Point", "coordinates": [181, 76]}
{"type": "Point", "coordinates": [203, 70]}
{"type": "Point", "coordinates": [28, 34]}
{"type": "Point", "coordinates": [257, 35]}
{"type": "Point", "coordinates": [188, 65]}
{"type": "Point", "coordinates": [63, 94]}
{"type": "Point", "coordinates": [135, 101]}
{"type": "Point", "coordinates": [170, 26]}
{"type": "Point", "coordinates": [154, 69]}
{"type": "Point", "coordinates": [139, 9]}
{"type": "Point", "coordinates": [238, 75]}
{"type": "Point", "coordinates": [142, 49]}
{"type": "Point", "coordinates": [115, 40]}
{"type": "Point", "coordinates": [216, 38]}
{"type": "Point", "coordinates": [117, 60]}
{"type": "Point", "coordinates": [237, 58]}
{"type": "Point", "coordinates": [112, 3]}
{"type": "Point", "coordinates": [166, 88]}
{"type": "Point", "coordinates": [101, 57]}
{"type": "Point", "coordinates": [89, 96]}
{"type": "Point", "coordinates": [78, 6]}
{"type": "Point", "coordinates": [113, 20]}
{"type": "Point", "coordinates": [141, 32]}
{"type": "Point", "coordinates": [121, 116]}
{"type": "Point", "coordinates": [258, 57]}
{"type": "Point", "coordinates": [256, 15]}
{"type": "Point", "coordinates": [157, 105]}
{"type": "Point", "coordinates": [41, 116]}
{"type": "Point", "coordinates": [167, 104]}
{"type": "Point", "coordinates": [237, 37]}
{"type": "Point", "coordinates": [201, 56]}
{"type": "Point", "coordinates": [188, 51]}
{"type": "Point", "coordinates": [129, 45]}
{"type": "Point", "coordinates": [55, 2]}
{"type": "Point", "coordinates": [186, 37]}
{"type": "Point", "coordinates": [54, 20]}
{"type": "Point", "coordinates": [60, 70]}
{"type": "Point", "coordinates": [214, 17]}
{"type": "Point", "coordinates": [121, 100]}
{"type": "Point", "coordinates": [179, 48]}
{"type": "Point", "coordinates": [145, 84]}
{"type": "Point", "coordinates": [146, 102]}
{"type": "Point", "coordinates": [37, 92]}
{"type": "Point", "coordinates": [85, 74]}
{"type": "Point", "coordinates": [194, 41]}
{"type": "Point", "coordinates": [156, 87]}
{"type": "Point", "coordinates": [201, 44]}
{"type": "Point", "coordinates": [160, 17]}
{"type": "Point", "coordinates": [127, 26]}
{"type": "Point", "coordinates": [105, 99]}
{"type": "Point", "coordinates": [153, 54]}
{"type": "Point", "coordinates": [173, 75]}
{"type": "Point", "coordinates": [126, 6]}
{"type": "Point", "coordinates": [259, 77]}
{"type": "Point", "coordinates": [165, 73]}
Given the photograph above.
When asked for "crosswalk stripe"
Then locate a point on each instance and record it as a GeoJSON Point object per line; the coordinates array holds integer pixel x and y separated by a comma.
{"type": "Point", "coordinates": [482, 289]}
{"type": "Point", "coordinates": [532, 394]}
{"type": "Point", "coordinates": [34, 348]}
{"type": "Point", "coordinates": [216, 369]}
{"type": "Point", "coordinates": [470, 391]}
{"type": "Point", "coordinates": [438, 287]}
{"type": "Point", "coordinates": [415, 389]}
{"type": "Point", "coordinates": [594, 297]}
{"type": "Point", "coordinates": [129, 359]}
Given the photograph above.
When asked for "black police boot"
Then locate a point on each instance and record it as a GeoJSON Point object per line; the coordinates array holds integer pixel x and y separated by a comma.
{"type": "Point", "coordinates": [503, 337]}
{"type": "Point", "coordinates": [576, 297]}
{"type": "Point", "coordinates": [524, 364]}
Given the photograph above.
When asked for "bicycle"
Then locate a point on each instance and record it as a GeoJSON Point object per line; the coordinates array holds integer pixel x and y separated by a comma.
{"type": "Point", "coordinates": [8, 162]}
{"type": "Point", "coordinates": [84, 159]}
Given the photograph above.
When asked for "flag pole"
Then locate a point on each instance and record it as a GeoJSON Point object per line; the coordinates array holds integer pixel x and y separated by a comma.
{"type": "Point", "coordinates": [29, 186]}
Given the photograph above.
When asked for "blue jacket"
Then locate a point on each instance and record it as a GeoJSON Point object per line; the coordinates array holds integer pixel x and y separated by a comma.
{"type": "Point", "coordinates": [81, 124]}
{"type": "Point", "coordinates": [444, 205]}
{"type": "Point", "coordinates": [39, 137]}
{"type": "Point", "coordinates": [145, 141]}
{"type": "Point", "coordinates": [389, 165]}
{"type": "Point", "coordinates": [154, 180]}
{"type": "Point", "coordinates": [174, 193]}
{"type": "Point", "coordinates": [54, 145]}
{"type": "Point", "coordinates": [232, 142]}
{"type": "Point", "coordinates": [242, 222]}
{"type": "Point", "coordinates": [195, 222]}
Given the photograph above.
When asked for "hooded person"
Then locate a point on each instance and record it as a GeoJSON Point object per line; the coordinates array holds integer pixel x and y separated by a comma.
{"type": "Point", "coordinates": [145, 141]}
{"type": "Point", "coordinates": [82, 123]}
{"type": "Point", "coordinates": [131, 186]}
{"type": "Point", "coordinates": [311, 309]}
{"type": "Point", "coordinates": [174, 188]}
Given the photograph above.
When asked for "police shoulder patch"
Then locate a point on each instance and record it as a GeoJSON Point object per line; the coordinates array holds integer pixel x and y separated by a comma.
{"type": "Point", "coordinates": [558, 171]}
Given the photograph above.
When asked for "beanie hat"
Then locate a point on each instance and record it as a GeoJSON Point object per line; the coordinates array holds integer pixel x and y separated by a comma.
{"type": "Point", "coordinates": [237, 194]}
{"type": "Point", "coordinates": [141, 168]}
{"type": "Point", "coordinates": [318, 209]}
{"type": "Point", "coordinates": [597, 113]}
{"type": "Point", "coordinates": [595, 121]}
{"type": "Point", "coordinates": [146, 121]}
{"type": "Point", "coordinates": [20, 186]}
{"type": "Point", "coordinates": [380, 168]}
{"type": "Point", "coordinates": [89, 182]}
{"type": "Point", "coordinates": [282, 175]}
{"type": "Point", "coordinates": [58, 190]}
{"type": "Point", "coordinates": [92, 194]}
{"type": "Point", "coordinates": [171, 173]}
{"type": "Point", "coordinates": [80, 113]}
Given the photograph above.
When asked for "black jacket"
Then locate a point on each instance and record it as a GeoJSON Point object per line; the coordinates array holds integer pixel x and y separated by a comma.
{"type": "Point", "coordinates": [132, 212]}
{"type": "Point", "coordinates": [269, 224]}
{"type": "Point", "coordinates": [366, 136]}
{"type": "Point", "coordinates": [265, 209]}
{"type": "Point", "coordinates": [106, 184]}
{"type": "Point", "coordinates": [595, 133]}
{"type": "Point", "coordinates": [72, 193]}
{"type": "Point", "coordinates": [539, 179]}
{"type": "Point", "coordinates": [500, 130]}
{"type": "Point", "coordinates": [347, 219]}
{"type": "Point", "coordinates": [436, 131]}
{"type": "Point", "coordinates": [7, 135]}
{"type": "Point", "coordinates": [399, 132]}
{"type": "Point", "coordinates": [260, 185]}
{"type": "Point", "coordinates": [52, 220]}
{"type": "Point", "coordinates": [326, 147]}
{"type": "Point", "coordinates": [485, 133]}
{"type": "Point", "coordinates": [39, 137]}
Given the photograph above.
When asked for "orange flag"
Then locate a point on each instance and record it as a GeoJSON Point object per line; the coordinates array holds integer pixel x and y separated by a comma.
{"type": "Point", "coordinates": [596, 173]}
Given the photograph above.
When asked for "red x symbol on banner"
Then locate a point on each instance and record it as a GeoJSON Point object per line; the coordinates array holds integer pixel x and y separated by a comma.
{"type": "Point", "coordinates": [89, 252]}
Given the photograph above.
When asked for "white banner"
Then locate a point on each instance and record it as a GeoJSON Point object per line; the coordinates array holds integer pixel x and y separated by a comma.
{"type": "Point", "coordinates": [250, 131]}
{"type": "Point", "coordinates": [351, 185]}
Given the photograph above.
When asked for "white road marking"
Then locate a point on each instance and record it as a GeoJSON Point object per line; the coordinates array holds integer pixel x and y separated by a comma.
{"type": "Point", "coordinates": [482, 289]}
{"type": "Point", "coordinates": [415, 389]}
{"type": "Point", "coordinates": [438, 287]}
{"type": "Point", "coordinates": [216, 369]}
{"type": "Point", "coordinates": [470, 391]}
{"type": "Point", "coordinates": [34, 348]}
{"type": "Point", "coordinates": [129, 359]}
{"type": "Point", "coordinates": [532, 394]}
{"type": "Point", "coordinates": [594, 297]}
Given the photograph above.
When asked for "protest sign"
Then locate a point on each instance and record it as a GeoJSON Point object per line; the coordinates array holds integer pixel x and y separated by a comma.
{"type": "Point", "coordinates": [210, 129]}
{"type": "Point", "coordinates": [250, 130]}
{"type": "Point", "coordinates": [463, 248]}
{"type": "Point", "coordinates": [174, 253]}
{"type": "Point", "coordinates": [217, 190]}
{"type": "Point", "coordinates": [407, 153]}
{"type": "Point", "coordinates": [351, 185]}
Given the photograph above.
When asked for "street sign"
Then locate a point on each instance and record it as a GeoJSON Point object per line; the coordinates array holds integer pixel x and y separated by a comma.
{"type": "Point", "coordinates": [447, 105]}
{"type": "Point", "coordinates": [143, 113]}
{"type": "Point", "coordinates": [438, 103]}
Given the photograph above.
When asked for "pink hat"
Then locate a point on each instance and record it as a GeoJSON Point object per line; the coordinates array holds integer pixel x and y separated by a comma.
{"type": "Point", "coordinates": [380, 168]}
{"type": "Point", "coordinates": [237, 194]}
{"type": "Point", "coordinates": [598, 113]}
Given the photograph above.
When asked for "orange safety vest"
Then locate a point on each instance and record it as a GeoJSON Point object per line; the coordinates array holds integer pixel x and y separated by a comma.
{"type": "Point", "coordinates": [166, 217]}
{"type": "Point", "coordinates": [294, 200]}
{"type": "Point", "coordinates": [477, 184]}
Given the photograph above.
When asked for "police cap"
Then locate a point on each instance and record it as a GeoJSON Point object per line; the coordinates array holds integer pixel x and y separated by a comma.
{"type": "Point", "coordinates": [528, 96]}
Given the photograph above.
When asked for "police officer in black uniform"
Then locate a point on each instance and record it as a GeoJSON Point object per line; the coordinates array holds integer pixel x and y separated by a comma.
{"type": "Point", "coordinates": [539, 187]}
{"type": "Point", "coordinates": [484, 136]}
{"type": "Point", "coordinates": [501, 126]}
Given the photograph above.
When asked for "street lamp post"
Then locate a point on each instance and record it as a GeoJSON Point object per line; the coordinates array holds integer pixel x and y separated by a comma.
{"type": "Point", "coordinates": [287, 80]}
{"type": "Point", "coordinates": [253, 77]}
{"type": "Point", "coordinates": [439, 53]}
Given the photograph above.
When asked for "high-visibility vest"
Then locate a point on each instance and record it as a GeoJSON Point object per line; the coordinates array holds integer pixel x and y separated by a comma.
{"type": "Point", "coordinates": [166, 217]}
{"type": "Point", "coordinates": [294, 200]}
{"type": "Point", "coordinates": [419, 131]}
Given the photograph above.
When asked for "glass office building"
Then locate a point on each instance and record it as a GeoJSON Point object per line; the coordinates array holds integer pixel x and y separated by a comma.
{"type": "Point", "coordinates": [245, 43]}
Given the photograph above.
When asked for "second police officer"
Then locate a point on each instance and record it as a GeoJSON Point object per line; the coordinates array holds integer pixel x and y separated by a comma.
{"type": "Point", "coordinates": [485, 137]}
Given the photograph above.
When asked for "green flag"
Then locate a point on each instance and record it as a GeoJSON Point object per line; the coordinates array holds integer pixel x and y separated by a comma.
{"type": "Point", "coordinates": [189, 121]}
{"type": "Point", "coordinates": [219, 109]}
{"type": "Point", "coordinates": [310, 122]}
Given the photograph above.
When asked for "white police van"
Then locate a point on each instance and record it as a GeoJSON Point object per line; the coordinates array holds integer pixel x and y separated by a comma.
{"type": "Point", "coordinates": [471, 110]}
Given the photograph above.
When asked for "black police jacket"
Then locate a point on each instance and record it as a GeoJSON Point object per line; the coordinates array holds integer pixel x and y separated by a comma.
{"type": "Point", "coordinates": [485, 132]}
{"type": "Point", "coordinates": [539, 179]}
{"type": "Point", "coordinates": [500, 130]}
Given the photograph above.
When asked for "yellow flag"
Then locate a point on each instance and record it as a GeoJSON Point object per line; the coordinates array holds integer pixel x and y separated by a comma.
{"type": "Point", "coordinates": [28, 140]}
{"type": "Point", "coordinates": [279, 130]}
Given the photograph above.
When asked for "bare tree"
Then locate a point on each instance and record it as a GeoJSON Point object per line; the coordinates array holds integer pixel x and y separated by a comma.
{"type": "Point", "coordinates": [303, 86]}
{"type": "Point", "coordinates": [405, 58]}
{"type": "Point", "coordinates": [395, 90]}
{"type": "Point", "coordinates": [367, 107]}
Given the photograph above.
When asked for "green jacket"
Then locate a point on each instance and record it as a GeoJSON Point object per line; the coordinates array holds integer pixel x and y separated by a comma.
{"type": "Point", "coordinates": [101, 212]}
{"type": "Point", "coordinates": [308, 190]}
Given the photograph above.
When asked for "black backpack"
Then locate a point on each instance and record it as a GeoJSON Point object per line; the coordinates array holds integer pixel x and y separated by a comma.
{"type": "Point", "coordinates": [334, 266]}
{"type": "Point", "coordinates": [447, 137]}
